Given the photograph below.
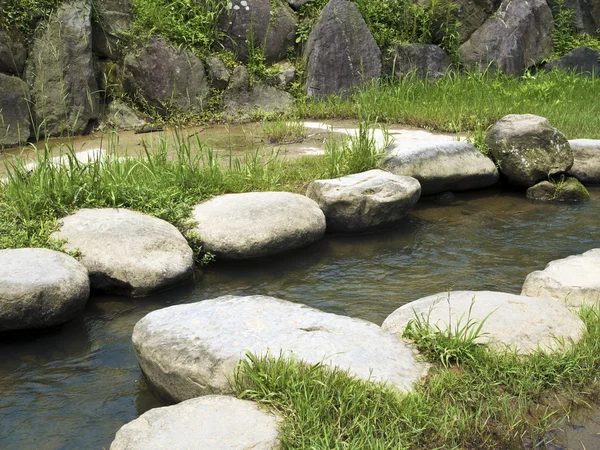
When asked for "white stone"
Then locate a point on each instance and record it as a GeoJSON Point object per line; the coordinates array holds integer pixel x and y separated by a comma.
{"type": "Point", "coordinates": [586, 160]}
{"type": "Point", "coordinates": [511, 321]}
{"type": "Point", "coordinates": [190, 350]}
{"type": "Point", "coordinates": [207, 423]}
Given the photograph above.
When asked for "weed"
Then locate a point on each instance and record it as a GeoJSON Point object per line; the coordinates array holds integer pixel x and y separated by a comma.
{"type": "Point", "coordinates": [284, 131]}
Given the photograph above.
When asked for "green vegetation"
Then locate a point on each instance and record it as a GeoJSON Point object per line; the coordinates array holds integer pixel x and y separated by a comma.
{"type": "Point", "coordinates": [284, 131]}
{"type": "Point", "coordinates": [22, 14]}
{"type": "Point", "coordinates": [484, 399]}
{"type": "Point", "coordinates": [565, 37]}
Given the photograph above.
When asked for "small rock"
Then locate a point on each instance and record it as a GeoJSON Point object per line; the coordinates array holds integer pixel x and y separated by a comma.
{"type": "Point", "coordinates": [566, 190]}
{"type": "Point", "coordinates": [586, 160]}
{"type": "Point", "coordinates": [207, 423]}
{"type": "Point", "coordinates": [217, 72]}
{"type": "Point", "coordinates": [365, 201]}
{"type": "Point", "coordinates": [119, 116]}
{"type": "Point", "coordinates": [287, 73]}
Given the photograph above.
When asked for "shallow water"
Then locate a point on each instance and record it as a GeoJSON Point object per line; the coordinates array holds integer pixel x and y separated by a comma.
{"type": "Point", "coordinates": [73, 388]}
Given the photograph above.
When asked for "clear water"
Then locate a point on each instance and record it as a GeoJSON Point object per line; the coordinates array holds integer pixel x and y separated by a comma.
{"type": "Point", "coordinates": [73, 388]}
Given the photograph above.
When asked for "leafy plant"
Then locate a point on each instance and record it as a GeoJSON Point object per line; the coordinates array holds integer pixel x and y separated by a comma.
{"type": "Point", "coordinates": [565, 36]}
{"type": "Point", "coordinates": [284, 131]}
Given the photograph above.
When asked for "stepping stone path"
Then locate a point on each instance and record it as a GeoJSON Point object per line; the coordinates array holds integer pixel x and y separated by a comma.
{"type": "Point", "coordinates": [127, 252]}
{"type": "Point", "coordinates": [40, 288]}
{"type": "Point", "coordinates": [586, 160]}
{"type": "Point", "coordinates": [573, 281]}
{"type": "Point", "coordinates": [442, 166]}
{"type": "Point", "coordinates": [207, 423]}
{"type": "Point", "coordinates": [513, 321]}
{"type": "Point", "coordinates": [257, 224]}
{"type": "Point", "coordinates": [190, 350]}
{"type": "Point", "coordinates": [365, 201]}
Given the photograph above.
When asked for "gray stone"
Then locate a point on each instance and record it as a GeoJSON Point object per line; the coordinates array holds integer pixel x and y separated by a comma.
{"type": "Point", "coordinates": [367, 201]}
{"type": "Point", "coordinates": [40, 288]}
{"type": "Point", "coordinates": [528, 149]}
{"type": "Point", "coordinates": [517, 36]}
{"type": "Point", "coordinates": [15, 126]}
{"type": "Point", "coordinates": [257, 224]}
{"type": "Point", "coordinates": [168, 79]}
{"type": "Point", "coordinates": [60, 70]}
{"type": "Point", "coordinates": [269, 23]}
{"type": "Point", "coordinates": [119, 116]}
{"type": "Point", "coordinates": [13, 52]}
{"type": "Point", "coordinates": [424, 60]}
{"type": "Point", "coordinates": [341, 52]}
{"type": "Point", "coordinates": [586, 14]}
{"type": "Point", "coordinates": [509, 321]}
{"type": "Point", "coordinates": [586, 160]}
{"type": "Point", "coordinates": [127, 252]}
{"type": "Point", "coordinates": [472, 14]}
{"type": "Point", "coordinates": [287, 73]}
{"type": "Point", "coordinates": [566, 190]}
{"type": "Point", "coordinates": [297, 3]}
{"type": "Point", "coordinates": [442, 166]}
{"type": "Point", "coordinates": [217, 72]}
{"type": "Point", "coordinates": [582, 60]}
{"type": "Point", "coordinates": [107, 33]}
{"type": "Point", "coordinates": [190, 350]}
{"type": "Point", "coordinates": [574, 280]}
{"type": "Point", "coordinates": [242, 102]}
{"type": "Point", "coordinates": [208, 423]}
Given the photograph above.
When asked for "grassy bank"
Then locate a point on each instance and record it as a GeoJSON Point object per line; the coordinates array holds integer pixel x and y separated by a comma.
{"type": "Point", "coordinates": [472, 398]}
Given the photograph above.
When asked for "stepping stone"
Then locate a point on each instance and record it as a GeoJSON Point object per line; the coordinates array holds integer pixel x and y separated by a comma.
{"type": "Point", "coordinates": [190, 350]}
{"type": "Point", "coordinates": [257, 224]}
{"type": "Point", "coordinates": [442, 166]}
{"type": "Point", "coordinates": [572, 281]}
{"type": "Point", "coordinates": [586, 160]}
{"type": "Point", "coordinates": [207, 423]}
{"type": "Point", "coordinates": [511, 321]}
{"type": "Point", "coordinates": [40, 288]}
{"type": "Point", "coordinates": [127, 252]}
{"type": "Point", "coordinates": [367, 201]}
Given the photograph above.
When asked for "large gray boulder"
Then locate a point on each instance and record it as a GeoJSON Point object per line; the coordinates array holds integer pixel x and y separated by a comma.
{"type": "Point", "coordinates": [243, 101]}
{"type": "Point", "coordinates": [472, 14]}
{"type": "Point", "coordinates": [586, 14]}
{"type": "Point", "coordinates": [113, 20]}
{"type": "Point", "coordinates": [60, 70]}
{"type": "Point", "coordinates": [341, 52]}
{"type": "Point", "coordinates": [442, 166]}
{"type": "Point", "coordinates": [573, 281]}
{"type": "Point", "coordinates": [586, 160]}
{"type": "Point", "coordinates": [168, 79]}
{"type": "Point", "coordinates": [509, 321]}
{"type": "Point", "coordinates": [212, 422]}
{"type": "Point", "coordinates": [567, 189]}
{"type": "Point", "coordinates": [367, 201]}
{"type": "Point", "coordinates": [517, 36]}
{"type": "Point", "coordinates": [528, 149]}
{"type": "Point", "coordinates": [424, 60]}
{"type": "Point", "coordinates": [13, 52]}
{"type": "Point", "coordinates": [127, 252]}
{"type": "Point", "coordinates": [582, 60]}
{"type": "Point", "coordinates": [15, 126]}
{"type": "Point", "coordinates": [257, 224]}
{"type": "Point", "coordinates": [270, 24]}
{"type": "Point", "coordinates": [190, 350]}
{"type": "Point", "coordinates": [40, 288]}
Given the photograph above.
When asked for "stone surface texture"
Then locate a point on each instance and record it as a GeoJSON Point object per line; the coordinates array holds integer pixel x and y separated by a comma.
{"type": "Point", "coordinates": [574, 280]}
{"type": "Point", "coordinates": [257, 224]}
{"type": "Point", "coordinates": [366, 201]}
{"type": "Point", "coordinates": [340, 51]}
{"type": "Point", "coordinates": [127, 252]}
{"type": "Point", "coordinates": [586, 14]}
{"type": "Point", "coordinates": [40, 288]}
{"type": "Point", "coordinates": [528, 149]}
{"type": "Point", "coordinates": [212, 422]}
{"type": "Point", "coordinates": [517, 36]}
{"type": "Point", "coordinates": [425, 60]}
{"type": "Point", "coordinates": [14, 111]}
{"type": "Point", "coordinates": [564, 190]}
{"type": "Point", "coordinates": [582, 60]}
{"type": "Point", "coordinates": [442, 166]}
{"type": "Point", "coordinates": [13, 52]}
{"type": "Point", "coordinates": [190, 350]}
{"type": "Point", "coordinates": [119, 116]}
{"type": "Point", "coordinates": [114, 21]}
{"type": "Point", "coordinates": [586, 160]}
{"type": "Point", "coordinates": [217, 72]}
{"type": "Point", "coordinates": [511, 321]}
{"type": "Point", "coordinates": [472, 14]}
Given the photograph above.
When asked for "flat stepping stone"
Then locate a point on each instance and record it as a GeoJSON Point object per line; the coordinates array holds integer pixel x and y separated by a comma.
{"type": "Point", "coordinates": [442, 166]}
{"type": "Point", "coordinates": [127, 252]}
{"type": "Point", "coordinates": [190, 350]}
{"type": "Point", "coordinates": [586, 160]}
{"type": "Point", "coordinates": [513, 321]}
{"type": "Point", "coordinates": [40, 288]}
{"type": "Point", "coordinates": [257, 224]}
{"type": "Point", "coordinates": [366, 201]}
{"type": "Point", "coordinates": [572, 281]}
{"type": "Point", "coordinates": [207, 423]}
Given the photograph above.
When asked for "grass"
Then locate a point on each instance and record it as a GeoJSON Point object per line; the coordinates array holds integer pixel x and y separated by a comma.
{"type": "Point", "coordinates": [489, 400]}
{"type": "Point", "coordinates": [284, 131]}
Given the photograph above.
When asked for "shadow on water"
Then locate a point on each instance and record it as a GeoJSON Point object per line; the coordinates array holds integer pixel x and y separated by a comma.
{"type": "Point", "coordinates": [73, 388]}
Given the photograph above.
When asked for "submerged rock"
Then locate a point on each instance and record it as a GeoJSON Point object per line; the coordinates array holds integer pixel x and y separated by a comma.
{"type": "Point", "coordinates": [15, 126]}
{"type": "Point", "coordinates": [257, 224]}
{"type": "Point", "coordinates": [528, 149]}
{"type": "Point", "coordinates": [40, 288]}
{"type": "Point", "coordinates": [127, 252]}
{"type": "Point", "coordinates": [567, 190]}
{"type": "Point", "coordinates": [509, 321]}
{"type": "Point", "coordinates": [442, 166]}
{"type": "Point", "coordinates": [586, 160]}
{"type": "Point", "coordinates": [574, 280]}
{"type": "Point", "coordinates": [367, 201]}
{"type": "Point", "coordinates": [208, 423]}
{"type": "Point", "coordinates": [190, 350]}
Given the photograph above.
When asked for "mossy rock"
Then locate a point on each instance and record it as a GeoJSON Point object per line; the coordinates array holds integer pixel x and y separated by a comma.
{"type": "Point", "coordinates": [566, 190]}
